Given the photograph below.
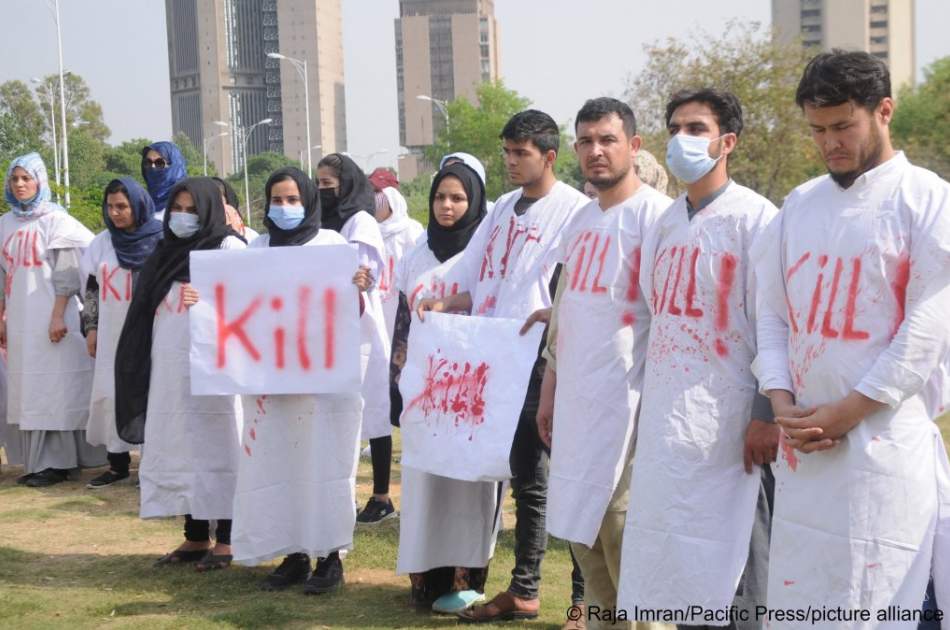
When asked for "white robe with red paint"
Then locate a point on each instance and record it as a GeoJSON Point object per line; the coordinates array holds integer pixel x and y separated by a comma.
{"type": "Point", "coordinates": [115, 294]}
{"type": "Point", "coordinates": [296, 484]}
{"type": "Point", "coordinates": [692, 504]}
{"type": "Point", "coordinates": [435, 513]}
{"type": "Point", "coordinates": [508, 264]}
{"type": "Point", "coordinates": [190, 464]}
{"type": "Point", "coordinates": [603, 321]}
{"type": "Point", "coordinates": [400, 234]}
{"type": "Point", "coordinates": [362, 230]}
{"type": "Point", "coordinates": [853, 296]}
{"type": "Point", "coordinates": [48, 383]}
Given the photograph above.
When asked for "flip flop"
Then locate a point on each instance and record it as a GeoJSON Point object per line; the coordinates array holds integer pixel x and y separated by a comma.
{"type": "Point", "coordinates": [211, 562]}
{"type": "Point", "coordinates": [180, 556]}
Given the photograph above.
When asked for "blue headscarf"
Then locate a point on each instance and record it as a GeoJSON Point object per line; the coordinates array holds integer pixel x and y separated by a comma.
{"type": "Point", "coordinates": [160, 181]}
{"type": "Point", "coordinates": [132, 248]}
{"type": "Point", "coordinates": [40, 204]}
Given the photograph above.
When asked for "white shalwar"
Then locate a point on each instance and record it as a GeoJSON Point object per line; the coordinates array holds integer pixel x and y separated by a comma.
{"type": "Point", "coordinates": [362, 230]}
{"type": "Point", "coordinates": [115, 294]}
{"type": "Point", "coordinates": [508, 264]}
{"type": "Point", "coordinates": [191, 461]}
{"type": "Point", "coordinates": [603, 322]}
{"type": "Point", "coordinates": [400, 234]}
{"type": "Point", "coordinates": [692, 504]}
{"type": "Point", "coordinates": [853, 296]}
{"type": "Point", "coordinates": [296, 485]}
{"type": "Point", "coordinates": [437, 512]}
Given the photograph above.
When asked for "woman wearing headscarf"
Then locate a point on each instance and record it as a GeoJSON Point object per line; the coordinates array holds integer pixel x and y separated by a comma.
{"type": "Point", "coordinates": [437, 512]}
{"type": "Point", "coordinates": [49, 374]}
{"type": "Point", "coordinates": [163, 166]}
{"type": "Point", "coordinates": [110, 267]}
{"type": "Point", "coordinates": [297, 486]}
{"type": "Point", "coordinates": [347, 206]}
{"type": "Point", "coordinates": [190, 465]}
{"type": "Point", "coordinates": [231, 203]}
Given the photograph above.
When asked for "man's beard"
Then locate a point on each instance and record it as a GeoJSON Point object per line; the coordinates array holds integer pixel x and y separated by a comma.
{"type": "Point", "coordinates": [606, 183]}
{"type": "Point", "coordinates": [870, 157]}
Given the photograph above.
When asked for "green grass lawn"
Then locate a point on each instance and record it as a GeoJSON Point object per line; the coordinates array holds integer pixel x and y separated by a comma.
{"type": "Point", "coordinates": [78, 558]}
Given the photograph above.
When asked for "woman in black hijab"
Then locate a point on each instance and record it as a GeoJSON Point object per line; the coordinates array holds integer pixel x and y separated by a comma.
{"type": "Point", "coordinates": [190, 464]}
{"type": "Point", "coordinates": [348, 206]}
{"type": "Point", "coordinates": [456, 208]}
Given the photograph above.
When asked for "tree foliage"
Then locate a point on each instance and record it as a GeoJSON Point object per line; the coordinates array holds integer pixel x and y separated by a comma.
{"type": "Point", "coordinates": [775, 152]}
{"type": "Point", "coordinates": [259, 168]}
{"type": "Point", "coordinates": [81, 110]}
{"type": "Point", "coordinates": [921, 123]}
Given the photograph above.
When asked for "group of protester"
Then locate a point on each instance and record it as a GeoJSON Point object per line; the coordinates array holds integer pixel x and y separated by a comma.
{"type": "Point", "coordinates": [732, 408]}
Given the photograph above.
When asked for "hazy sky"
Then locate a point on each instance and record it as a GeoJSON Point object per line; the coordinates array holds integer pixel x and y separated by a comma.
{"type": "Point", "coordinates": [556, 52]}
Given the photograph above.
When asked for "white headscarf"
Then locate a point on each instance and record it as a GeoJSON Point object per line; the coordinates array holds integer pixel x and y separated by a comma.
{"type": "Point", "coordinates": [468, 160]}
{"type": "Point", "coordinates": [399, 217]}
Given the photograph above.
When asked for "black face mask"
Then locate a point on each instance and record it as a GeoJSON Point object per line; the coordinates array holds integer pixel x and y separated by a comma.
{"type": "Point", "coordinates": [328, 199]}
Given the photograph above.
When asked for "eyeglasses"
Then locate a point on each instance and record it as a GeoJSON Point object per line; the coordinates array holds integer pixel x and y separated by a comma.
{"type": "Point", "coordinates": [160, 163]}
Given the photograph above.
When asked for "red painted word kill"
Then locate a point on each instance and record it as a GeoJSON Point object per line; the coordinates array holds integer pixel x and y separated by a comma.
{"type": "Point", "coordinates": [117, 289]}
{"type": "Point", "coordinates": [453, 388]}
{"type": "Point", "coordinates": [236, 328]}
{"type": "Point", "coordinates": [20, 250]}
{"type": "Point", "coordinates": [816, 320]}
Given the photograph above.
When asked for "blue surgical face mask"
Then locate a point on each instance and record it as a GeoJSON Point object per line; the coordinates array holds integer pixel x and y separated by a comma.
{"type": "Point", "coordinates": [183, 224]}
{"type": "Point", "coordinates": [285, 217]}
{"type": "Point", "coordinates": [688, 157]}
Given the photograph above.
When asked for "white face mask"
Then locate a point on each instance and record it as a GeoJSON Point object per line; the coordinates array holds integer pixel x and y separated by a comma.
{"type": "Point", "coordinates": [183, 224]}
{"type": "Point", "coordinates": [688, 157]}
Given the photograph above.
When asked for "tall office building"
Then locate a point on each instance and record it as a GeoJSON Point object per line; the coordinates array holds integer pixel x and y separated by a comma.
{"type": "Point", "coordinates": [219, 71]}
{"type": "Point", "coordinates": [444, 49]}
{"type": "Point", "coordinates": [884, 28]}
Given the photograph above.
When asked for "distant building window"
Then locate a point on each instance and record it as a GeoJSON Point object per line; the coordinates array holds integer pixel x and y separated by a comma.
{"type": "Point", "coordinates": [879, 24]}
{"type": "Point", "coordinates": [879, 40]}
{"type": "Point", "coordinates": [881, 55]}
{"type": "Point", "coordinates": [807, 13]}
{"type": "Point", "coordinates": [811, 28]}
{"type": "Point", "coordinates": [812, 43]}
{"type": "Point", "coordinates": [881, 8]}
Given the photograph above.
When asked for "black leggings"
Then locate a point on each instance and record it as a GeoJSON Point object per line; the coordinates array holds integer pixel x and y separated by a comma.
{"type": "Point", "coordinates": [381, 452]}
{"type": "Point", "coordinates": [200, 531]}
{"type": "Point", "coordinates": [119, 462]}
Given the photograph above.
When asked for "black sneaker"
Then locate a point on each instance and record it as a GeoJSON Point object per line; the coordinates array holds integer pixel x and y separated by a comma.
{"type": "Point", "coordinates": [293, 570]}
{"type": "Point", "coordinates": [107, 478]}
{"type": "Point", "coordinates": [376, 511]}
{"type": "Point", "coordinates": [48, 477]}
{"type": "Point", "coordinates": [327, 577]}
{"type": "Point", "coordinates": [22, 479]}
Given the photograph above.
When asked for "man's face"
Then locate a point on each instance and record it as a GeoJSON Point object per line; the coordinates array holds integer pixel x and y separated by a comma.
{"type": "Point", "coordinates": [849, 137]}
{"type": "Point", "coordinates": [605, 152]}
{"type": "Point", "coordinates": [524, 161]}
{"type": "Point", "coordinates": [698, 119]}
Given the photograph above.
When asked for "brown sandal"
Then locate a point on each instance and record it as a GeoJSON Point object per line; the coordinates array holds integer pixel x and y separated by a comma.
{"type": "Point", "coordinates": [180, 556]}
{"type": "Point", "coordinates": [502, 607]}
{"type": "Point", "coordinates": [211, 562]}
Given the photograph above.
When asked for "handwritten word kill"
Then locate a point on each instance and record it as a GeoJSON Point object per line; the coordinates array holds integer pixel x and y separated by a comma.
{"type": "Point", "coordinates": [281, 320]}
{"type": "Point", "coordinates": [464, 383]}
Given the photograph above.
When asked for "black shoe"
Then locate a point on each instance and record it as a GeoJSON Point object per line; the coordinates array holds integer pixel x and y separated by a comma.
{"type": "Point", "coordinates": [107, 478]}
{"type": "Point", "coordinates": [375, 512]}
{"type": "Point", "coordinates": [327, 577]}
{"type": "Point", "coordinates": [293, 570]}
{"type": "Point", "coordinates": [48, 477]}
{"type": "Point", "coordinates": [22, 479]}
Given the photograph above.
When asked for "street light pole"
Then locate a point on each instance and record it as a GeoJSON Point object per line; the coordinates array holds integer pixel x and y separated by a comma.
{"type": "Point", "coordinates": [316, 146]}
{"type": "Point", "coordinates": [301, 67]}
{"type": "Point", "coordinates": [52, 126]}
{"type": "Point", "coordinates": [206, 141]}
{"type": "Point", "coordinates": [443, 107]}
{"type": "Point", "coordinates": [62, 105]}
{"type": "Point", "coordinates": [247, 186]}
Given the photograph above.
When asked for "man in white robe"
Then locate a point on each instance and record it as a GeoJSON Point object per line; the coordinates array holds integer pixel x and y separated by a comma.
{"type": "Point", "coordinates": [505, 271]}
{"type": "Point", "coordinates": [701, 442]}
{"type": "Point", "coordinates": [852, 307]}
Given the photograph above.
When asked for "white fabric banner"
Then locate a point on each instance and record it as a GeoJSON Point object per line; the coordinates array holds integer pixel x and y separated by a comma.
{"type": "Point", "coordinates": [281, 320]}
{"type": "Point", "coordinates": [463, 387]}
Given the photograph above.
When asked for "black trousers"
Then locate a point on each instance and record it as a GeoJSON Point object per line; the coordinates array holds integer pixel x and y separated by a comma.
{"type": "Point", "coordinates": [200, 531]}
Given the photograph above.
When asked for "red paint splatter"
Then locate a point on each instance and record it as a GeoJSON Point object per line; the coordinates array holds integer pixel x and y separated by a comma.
{"type": "Point", "coordinates": [487, 264]}
{"type": "Point", "coordinates": [628, 319]}
{"type": "Point", "coordinates": [798, 265]}
{"type": "Point", "coordinates": [816, 295]}
{"type": "Point", "coordinates": [580, 260]}
{"type": "Point", "coordinates": [276, 303]}
{"type": "Point", "coordinates": [247, 449]}
{"type": "Point", "coordinates": [721, 348]}
{"type": "Point", "coordinates": [849, 309]}
{"type": "Point", "coordinates": [788, 582]}
{"type": "Point", "coordinates": [260, 405]}
{"type": "Point", "coordinates": [727, 277]}
{"type": "Point", "coordinates": [329, 329]}
{"type": "Point", "coordinates": [633, 290]}
{"type": "Point", "coordinates": [691, 310]}
{"type": "Point", "coordinates": [487, 305]}
{"type": "Point", "coordinates": [873, 565]}
{"type": "Point", "coordinates": [253, 433]}
{"type": "Point", "coordinates": [590, 261]}
{"type": "Point", "coordinates": [826, 329]}
{"type": "Point", "coordinates": [899, 287]}
{"type": "Point", "coordinates": [236, 328]}
{"type": "Point", "coordinates": [453, 389]}
{"type": "Point", "coordinates": [788, 453]}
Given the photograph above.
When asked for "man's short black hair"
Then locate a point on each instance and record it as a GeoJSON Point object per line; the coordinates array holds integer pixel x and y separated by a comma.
{"type": "Point", "coordinates": [536, 126]}
{"type": "Point", "coordinates": [837, 77]}
{"type": "Point", "coordinates": [725, 105]}
{"type": "Point", "coordinates": [597, 108]}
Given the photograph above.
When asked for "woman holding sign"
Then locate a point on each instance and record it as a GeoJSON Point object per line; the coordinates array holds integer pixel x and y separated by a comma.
{"type": "Point", "coordinates": [190, 465]}
{"type": "Point", "coordinates": [297, 478]}
{"type": "Point", "coordinates": [348, 207]}
{"type": "Point", "coordinates": [437, 512]}
{"type": "Point", "coordinates": [109, 267]}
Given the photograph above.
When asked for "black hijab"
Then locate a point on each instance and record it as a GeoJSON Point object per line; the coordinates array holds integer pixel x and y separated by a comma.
{"type": "Point", "coordinates": [227, 190]}
{"type": "Point", "coordinates": [446, 242]}
{"type": "Point", "coordinates": [167, 264]}
{"type": "Point", "coordinates": [309, 197]}
{"type": "Point", "coordinates": [355, 194]}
